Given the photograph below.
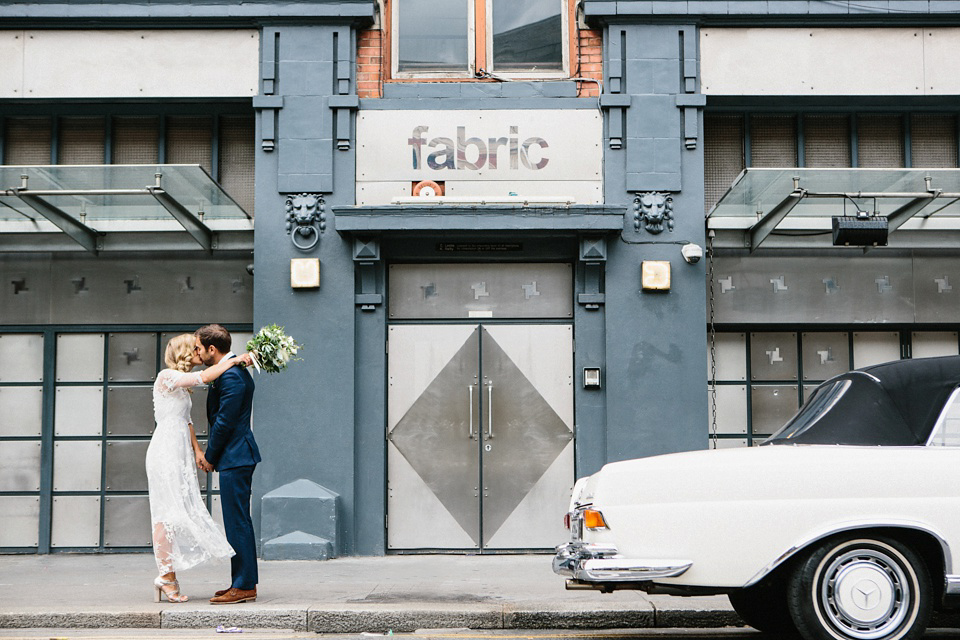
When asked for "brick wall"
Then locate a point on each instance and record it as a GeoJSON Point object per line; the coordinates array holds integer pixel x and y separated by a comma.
{"type": "Point", "coordinates": [589, 62]}
{"type": "Point", "coordinates": [370, 63]}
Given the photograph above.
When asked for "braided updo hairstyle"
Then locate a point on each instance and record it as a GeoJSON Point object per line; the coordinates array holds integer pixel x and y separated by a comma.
{"type": "Point", "coordinates": [179, 353]}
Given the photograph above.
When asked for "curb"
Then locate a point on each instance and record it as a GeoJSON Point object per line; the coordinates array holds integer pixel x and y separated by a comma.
{"type": "Point", "coordinates": [351, 619]}
{"type": "Point", "coordinates": [336, 619]}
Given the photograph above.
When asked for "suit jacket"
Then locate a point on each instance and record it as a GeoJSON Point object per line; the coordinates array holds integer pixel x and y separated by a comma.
{"type": "Point", "coordinates": [230, 443]}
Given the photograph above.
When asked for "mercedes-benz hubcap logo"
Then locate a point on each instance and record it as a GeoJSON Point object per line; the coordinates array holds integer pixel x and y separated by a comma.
{"type": "Point", "coordinates": [865, 594]}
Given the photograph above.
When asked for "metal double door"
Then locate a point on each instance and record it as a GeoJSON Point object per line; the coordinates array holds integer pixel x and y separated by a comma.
{"type": "Point", "coordinates": [479, 436]}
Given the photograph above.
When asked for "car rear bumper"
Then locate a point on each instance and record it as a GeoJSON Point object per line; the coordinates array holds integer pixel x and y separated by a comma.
{"type": "Point", "coordinates": [588, 562]}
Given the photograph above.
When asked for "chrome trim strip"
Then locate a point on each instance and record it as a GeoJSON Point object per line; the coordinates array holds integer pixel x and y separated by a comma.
{"type": "Point", "coordinates": [601, 563]}
{"type": "Point", "coordinates": [629, 570]}
{"type": "Point", "coordinates": [952, 585]}
{"type": "Point", "coordinates": [853, 526]}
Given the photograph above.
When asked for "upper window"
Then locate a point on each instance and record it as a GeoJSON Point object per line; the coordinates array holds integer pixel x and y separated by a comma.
{"type": "Point", "coordinates": [458, 38]}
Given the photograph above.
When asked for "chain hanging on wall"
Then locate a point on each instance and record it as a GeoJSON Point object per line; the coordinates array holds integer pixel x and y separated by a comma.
{"type": "Point", "coordinates": [306, 219]}
{"type": "Point", "coordinates": [712, 329]}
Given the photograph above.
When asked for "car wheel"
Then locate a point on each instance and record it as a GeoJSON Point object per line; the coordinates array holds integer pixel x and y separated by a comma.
{"type": "Point", "coordinates": [858, 588]}
{"type": "Point", "coordinates": [763, 606]}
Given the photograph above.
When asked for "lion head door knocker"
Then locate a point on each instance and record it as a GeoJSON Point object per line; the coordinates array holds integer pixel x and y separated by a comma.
{"type": "Point", "coordinates": [305, 219]}
{"type": "Point", "coordinates": [654, 210]}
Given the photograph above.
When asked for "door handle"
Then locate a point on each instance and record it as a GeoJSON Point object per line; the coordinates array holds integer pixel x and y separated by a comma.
{"type": "Point", "coordinates": [490, 410]}
{"type": "Point", "coordinates": [470, 387]}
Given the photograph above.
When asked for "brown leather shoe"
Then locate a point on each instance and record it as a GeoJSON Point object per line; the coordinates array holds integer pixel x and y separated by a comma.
{"type": "Point", "coordinates": [234, 596]}
{"type": "Point", "coordinates": [221, 592]}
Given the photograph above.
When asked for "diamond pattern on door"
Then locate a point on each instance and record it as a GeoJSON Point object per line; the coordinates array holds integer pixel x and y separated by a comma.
{"type": "Point", "coordinates": [541, 504]}
{"type": "Point", "coordinates": [436, 429]}
{"type": "Point", "coordinates": [524, 432]}
{"type": "Point", "coordinates": [480, 435]}
{"type": "Point", "coordinates": [431, 525]}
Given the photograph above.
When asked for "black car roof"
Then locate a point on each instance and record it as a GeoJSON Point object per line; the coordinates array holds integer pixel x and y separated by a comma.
{"type": "Point", "coordinates": [919, 388]}
{"type": "Point", "coordinates": [895, 403]}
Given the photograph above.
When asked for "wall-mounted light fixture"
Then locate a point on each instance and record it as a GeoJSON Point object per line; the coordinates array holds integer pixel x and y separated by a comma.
{"type": "Point", "coordinates": [305, 273]}
{"type": "Point", "coordinates": [862, 230]}
{"type": "Point", "coordinates": [655, 275]}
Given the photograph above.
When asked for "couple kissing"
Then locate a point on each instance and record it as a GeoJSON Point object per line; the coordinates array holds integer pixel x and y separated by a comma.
{"type": "Point", "coordinates": [184, 533]}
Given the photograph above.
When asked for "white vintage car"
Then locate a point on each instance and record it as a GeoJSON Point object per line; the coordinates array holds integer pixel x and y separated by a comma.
{"type": "Point", "coordinates": [843, 525]}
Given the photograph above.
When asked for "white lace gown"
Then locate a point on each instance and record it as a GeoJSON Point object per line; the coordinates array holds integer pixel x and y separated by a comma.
{"type": "Point", "coordinates": [184, 533]}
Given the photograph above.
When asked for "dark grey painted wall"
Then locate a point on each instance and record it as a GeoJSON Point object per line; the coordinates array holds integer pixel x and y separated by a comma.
{"type": "Point", "coordinates": [304, 418]}
{"type": "Point", "coordinates": [324, 420]}
{"type": "Point", "coordinates": [656, 369]}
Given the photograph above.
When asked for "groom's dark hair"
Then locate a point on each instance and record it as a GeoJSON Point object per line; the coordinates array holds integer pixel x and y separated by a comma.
{"type": "Point", "coordinates": [214, 335]}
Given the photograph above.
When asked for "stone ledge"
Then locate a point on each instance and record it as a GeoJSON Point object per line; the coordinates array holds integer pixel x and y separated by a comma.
{"type": "Point", "coordinates": [396, 619]}
{"type": "Point", "coordinates": [81, 620]}
{"type": "Point", "coordinates": [231, 616]}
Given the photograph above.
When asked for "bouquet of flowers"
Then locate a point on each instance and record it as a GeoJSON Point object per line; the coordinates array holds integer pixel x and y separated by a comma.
{"type": "Point", "coordinates": [272, 349]}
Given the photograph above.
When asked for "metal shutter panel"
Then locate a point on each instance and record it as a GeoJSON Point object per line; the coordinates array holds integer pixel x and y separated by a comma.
{"type": "Point", "coordinates": [237, 159]}
{"type": "Point", "coordinates": [826, 140]}
{"type": "Point", "coordinates": [880, 141]}
{"type": "Point", "coordinates": [722, 154]}
{"type": "Point", "coordinates": [135, 140]}
{"type": "Point", "coordinates": [189, 141]}
{"type": "Point", "coordinates": [933, 140]}
{"type": "Point", "coordinates": [81, 141]}
{"type": "Point", "coordinates": [773, 141]}
{"type": "Point", "coordinates": [27, 141]}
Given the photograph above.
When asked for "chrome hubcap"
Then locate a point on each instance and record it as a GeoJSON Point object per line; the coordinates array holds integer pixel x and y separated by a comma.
{"type": "Point", "coordinates": [865, 594]}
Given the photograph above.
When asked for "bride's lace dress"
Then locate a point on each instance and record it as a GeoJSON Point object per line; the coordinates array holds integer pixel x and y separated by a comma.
{"type": "Point", "coordinates": [184, 534]}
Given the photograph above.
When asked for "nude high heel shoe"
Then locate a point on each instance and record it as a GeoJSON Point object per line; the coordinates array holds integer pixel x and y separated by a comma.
{"type": "Point", "coordinates": [172, 595]}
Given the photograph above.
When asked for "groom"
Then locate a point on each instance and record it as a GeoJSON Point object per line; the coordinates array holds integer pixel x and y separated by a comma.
{"type": "Point", "coordinates": [233, 452]}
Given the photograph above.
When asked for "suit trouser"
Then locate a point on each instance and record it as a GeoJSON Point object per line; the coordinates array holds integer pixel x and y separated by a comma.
{"type": "Point", "coordinates": [235, 487]}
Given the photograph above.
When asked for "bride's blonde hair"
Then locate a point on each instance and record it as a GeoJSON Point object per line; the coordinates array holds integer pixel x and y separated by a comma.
{"type": "Point", "coordinates": [179, 353]}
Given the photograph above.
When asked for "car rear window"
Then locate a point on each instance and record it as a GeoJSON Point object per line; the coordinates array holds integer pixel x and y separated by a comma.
{"type": "Point", "coordinates": [853, 409]}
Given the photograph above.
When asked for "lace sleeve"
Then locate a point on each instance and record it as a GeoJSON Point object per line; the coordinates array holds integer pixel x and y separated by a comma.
{"type": "Point", "coordinates": [169, 379]}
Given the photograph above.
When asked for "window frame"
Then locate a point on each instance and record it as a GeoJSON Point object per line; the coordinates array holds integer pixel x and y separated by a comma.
{"type": "Point", "coordinates": [479, 46]}
{"type": "Point", "coordinates": [564, 70]}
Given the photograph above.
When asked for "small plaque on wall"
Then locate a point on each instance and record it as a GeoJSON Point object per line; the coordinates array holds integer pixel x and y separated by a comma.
{"type": "Point", "coordinates": [305, 273]}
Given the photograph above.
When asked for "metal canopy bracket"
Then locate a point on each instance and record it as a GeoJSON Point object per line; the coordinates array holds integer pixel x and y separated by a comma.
{"type": "Point", "coordinates": [765, 226]}
{"type": "Point", "coordinates": [89, 238]}
{"type": "Point", "coordinates": [907, 211]}
{"type": "Point", "coordinates": [756, 233]}
{"type": "Point", "coordinates": [191, 223]}
{"type": "Point", "coordinates": [84, 235]}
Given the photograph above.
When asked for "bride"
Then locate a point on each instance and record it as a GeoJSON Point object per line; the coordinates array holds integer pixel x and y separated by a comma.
{"type": "Point", "coordinates": [184, 534]}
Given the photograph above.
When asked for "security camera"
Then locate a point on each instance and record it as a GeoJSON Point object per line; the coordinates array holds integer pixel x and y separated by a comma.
{"type": "Point", "coordinates": [691, 252]}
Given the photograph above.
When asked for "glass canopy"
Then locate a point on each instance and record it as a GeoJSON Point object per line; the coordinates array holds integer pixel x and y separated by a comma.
{"type": "Point", "coordinates": [93, 193]}
{"type": "Point", "coordinates": [832, 192]}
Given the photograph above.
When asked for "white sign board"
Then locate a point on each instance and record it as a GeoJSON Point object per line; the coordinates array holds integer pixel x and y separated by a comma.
{"type": "Point", "coordinates": [480, 153]}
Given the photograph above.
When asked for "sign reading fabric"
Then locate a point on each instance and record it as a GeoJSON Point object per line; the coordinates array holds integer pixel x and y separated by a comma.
{"type": "Point", "coordinates": [483, 151]}
{"type": "Point", "coordinates": [480, 153]}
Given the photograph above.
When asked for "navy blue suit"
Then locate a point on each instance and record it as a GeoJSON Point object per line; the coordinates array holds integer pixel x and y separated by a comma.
{"type": "Point", "coordinates": [233, 452]}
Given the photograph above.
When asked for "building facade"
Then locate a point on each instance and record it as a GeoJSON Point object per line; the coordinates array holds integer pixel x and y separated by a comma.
{"type": "Point", "coordinates": [517, 241]}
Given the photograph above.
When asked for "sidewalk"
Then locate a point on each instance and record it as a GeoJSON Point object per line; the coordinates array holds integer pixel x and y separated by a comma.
{"type": "Point", "coordinates": [348, 595]}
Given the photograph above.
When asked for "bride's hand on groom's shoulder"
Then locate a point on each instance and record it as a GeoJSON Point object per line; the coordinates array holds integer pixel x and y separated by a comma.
{"type": "Point", "coordinates": [245, 359]}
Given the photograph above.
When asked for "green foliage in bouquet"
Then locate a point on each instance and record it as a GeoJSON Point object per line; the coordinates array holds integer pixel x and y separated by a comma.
{"type": "Point", "coordinates": [272, 349]}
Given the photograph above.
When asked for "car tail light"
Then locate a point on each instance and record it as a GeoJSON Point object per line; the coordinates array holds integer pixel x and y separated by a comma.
{"type": "Point", "coordinates": [593, 519]}
{"type": "Point", "coordinates": [566, 520]}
